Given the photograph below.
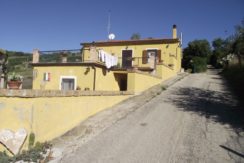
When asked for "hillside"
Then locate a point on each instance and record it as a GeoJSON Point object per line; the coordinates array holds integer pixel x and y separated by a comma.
{"type": "Point", "coordinates": [18, 62]}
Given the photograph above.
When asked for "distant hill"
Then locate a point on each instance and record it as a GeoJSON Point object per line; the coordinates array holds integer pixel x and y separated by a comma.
{"type": "Point", "coordinates": [18, 61]}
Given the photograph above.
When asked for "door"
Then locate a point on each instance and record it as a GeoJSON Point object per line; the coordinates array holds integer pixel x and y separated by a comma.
{"type": "Point", "coordinates": [68, 84]}
{"type": "Point", "coordinates": [127, 58]}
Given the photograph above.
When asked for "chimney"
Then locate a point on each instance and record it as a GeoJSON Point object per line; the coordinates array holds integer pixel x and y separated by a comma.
{"type": "Point", "coordinates": [93, 54]}
{"type": "Point", "coordinates": [174, 31]}
{"type": "Point", "coordinates": [35, 56]}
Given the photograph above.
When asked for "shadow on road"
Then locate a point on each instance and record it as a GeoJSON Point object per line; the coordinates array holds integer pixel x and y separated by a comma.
{"type": "Point", "coordinates": [217, 106]}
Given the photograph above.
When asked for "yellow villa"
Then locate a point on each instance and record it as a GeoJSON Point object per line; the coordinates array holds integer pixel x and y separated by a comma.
{"type": "Point", "coordinates": [113, 65]}
{"type": "Point", "coordinates": [106, 72]}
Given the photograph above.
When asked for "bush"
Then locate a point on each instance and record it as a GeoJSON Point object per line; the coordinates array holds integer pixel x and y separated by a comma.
{"type": "Point", "coordinates": [199, 64]}
{"type": "Point", "coordinates": [4, 158]}
{"type": "Point", "coordinates": [235, 78]}
{"type": "Point", "coordinates": [31, 140]}
{"type": "Point", "coordinates": [34, 154]}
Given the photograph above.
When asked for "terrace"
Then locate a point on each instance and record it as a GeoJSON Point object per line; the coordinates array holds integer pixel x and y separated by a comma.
{"type": "Point", "coordinates": [76, 57]}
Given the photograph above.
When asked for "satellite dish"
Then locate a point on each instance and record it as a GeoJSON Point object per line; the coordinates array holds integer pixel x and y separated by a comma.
{"type": "Point", "coordinates": [111, 36]}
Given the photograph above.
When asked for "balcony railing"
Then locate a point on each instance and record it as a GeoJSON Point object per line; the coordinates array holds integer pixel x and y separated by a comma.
{"type": "Point", "coordinates": [135, 62]}
{"type": "Point", "coordinates": [76, 56]}
{"type": "Point", "coordinates": [60, 56]}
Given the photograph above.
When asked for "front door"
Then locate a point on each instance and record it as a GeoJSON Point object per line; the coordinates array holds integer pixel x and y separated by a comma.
{"type": "Point", "coordinates": [127, 58]}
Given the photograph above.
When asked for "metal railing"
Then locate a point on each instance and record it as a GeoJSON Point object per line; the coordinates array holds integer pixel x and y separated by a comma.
{"type": "Point", "coordinates": [60, 56]}
{"type": "Point", "coordinates": [76, 56]}
{"type": "Point", "coordinates": [131, 62]}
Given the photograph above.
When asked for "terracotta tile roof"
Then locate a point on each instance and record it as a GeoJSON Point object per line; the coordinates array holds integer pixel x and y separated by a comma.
{"type": "Point", "coordinates": [131, 42]}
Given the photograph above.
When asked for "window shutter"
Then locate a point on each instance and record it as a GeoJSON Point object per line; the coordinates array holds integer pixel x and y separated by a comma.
{"type": "Point", "coordinates": [159, 56]}
{"type": "Point", "coordinates": [144, 57]}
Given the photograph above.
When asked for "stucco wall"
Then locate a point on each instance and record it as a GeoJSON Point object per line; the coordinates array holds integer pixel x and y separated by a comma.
{"type": "Point", "coordinates": [165, 72]}
{"type": "Point", "coordinates": [105, 80]}
{"type": "Point", "coordinates": [140, 82]}
{"type": "Point", "coordinates": [57, 71]}
{"type": "Point", "coordinates": [166, 50]}
{"type": "Point", "coordinates": [50, 117]}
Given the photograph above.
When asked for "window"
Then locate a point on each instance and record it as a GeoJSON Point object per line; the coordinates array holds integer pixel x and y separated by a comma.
{"type": "Point", "coordinates": [68, 83]}
{"type": "Point", "coordinates": [150, 54]}
{"type": "Point", "coordinates": [147, 54]}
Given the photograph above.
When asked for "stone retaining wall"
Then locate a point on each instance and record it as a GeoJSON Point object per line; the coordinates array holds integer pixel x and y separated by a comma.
{"type": "Point", "coordinates": [28, 93]}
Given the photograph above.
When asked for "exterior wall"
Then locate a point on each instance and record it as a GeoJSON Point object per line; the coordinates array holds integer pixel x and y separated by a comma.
{"type": "Point", "coordinates": [105, 80]}
{"type": "Point", "coordinates": [50, 117]}
{"type": "Point", "coordinates": [165, 72]}
{"type": "Point", "coordinates": [178, 59]}
{"type": "Point", "coordinates": [57, 71]}
{"type": "Point", "coordinates": [173, 57]}
{"type": "Point", "coordinates": [140, 82]}
{"type": "Point", "coordinates": [166, 50]}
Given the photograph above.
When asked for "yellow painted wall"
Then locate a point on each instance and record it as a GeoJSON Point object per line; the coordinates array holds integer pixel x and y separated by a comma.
{"type": "Point", "coordinates": [140, 82]}
{"type": "Point", "coordinates": [166, 50]}
{"type": "Point", "coordinates": [50, 117]}
{"type": "Point", "coordinates": [105, 80]}
{"type": "Point", "coordinates": [58, 71]}
{"type": "Point", "coordinates": [179, 58]}
{"type": "Point", "coordinates": [165, 72]}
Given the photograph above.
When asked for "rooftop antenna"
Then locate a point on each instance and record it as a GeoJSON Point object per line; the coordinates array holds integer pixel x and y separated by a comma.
{"type": "Point", "coordinates": [111, 36]}
{"type": "Point", "coordinates": [109, 23]}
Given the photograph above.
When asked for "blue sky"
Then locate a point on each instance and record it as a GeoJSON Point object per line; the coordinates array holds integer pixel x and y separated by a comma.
{"type": "Point", "coordinates": [64, 24]}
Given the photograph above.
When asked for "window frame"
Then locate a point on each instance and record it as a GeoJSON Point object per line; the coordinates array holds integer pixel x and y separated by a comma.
{"type": "Point", "coordinates": [67, 77]}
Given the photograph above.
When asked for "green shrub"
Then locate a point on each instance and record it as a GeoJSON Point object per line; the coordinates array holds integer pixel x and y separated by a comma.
{"type": "Point", "coordinates": [31, 140]}
{"type": "Point", "coordinates": [4, 158]}
{"type": "Point", "coordinates": [34, 154]}
{"type": "Point", "coordinates": [199, 64]}
{"type": "Point", "coordinates": [235, 78]}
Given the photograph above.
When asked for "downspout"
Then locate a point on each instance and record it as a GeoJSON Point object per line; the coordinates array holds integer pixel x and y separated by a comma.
{"type": "Point", "coordinates": [155, 61]}
{"type": "Point", "coordinates": [94, 77]}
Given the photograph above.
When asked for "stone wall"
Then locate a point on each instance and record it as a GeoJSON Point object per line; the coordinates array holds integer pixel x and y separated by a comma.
{"type": "Point", "coordinates": [28, 93]}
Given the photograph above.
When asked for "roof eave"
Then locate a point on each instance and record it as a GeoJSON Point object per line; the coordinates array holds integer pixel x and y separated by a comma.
{"type": "Point", "coordinates": [131, 42]}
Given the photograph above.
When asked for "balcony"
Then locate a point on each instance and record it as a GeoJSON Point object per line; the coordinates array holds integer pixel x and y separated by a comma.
{"type": "Point", "coordinates": [135, 63]}
{"type": "Point", "coordinates": [57, 56]}
{"type": "Point", "coordinates": [75, 56]}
